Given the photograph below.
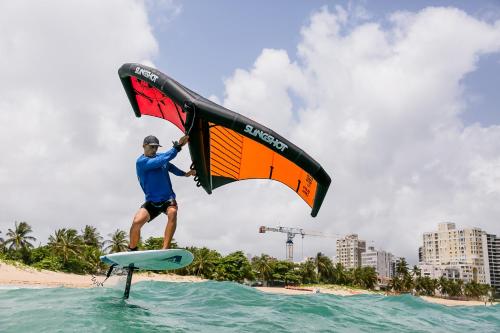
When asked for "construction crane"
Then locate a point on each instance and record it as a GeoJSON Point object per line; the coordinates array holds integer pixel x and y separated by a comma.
{"type": "Point", "coordinates": [291, 232]}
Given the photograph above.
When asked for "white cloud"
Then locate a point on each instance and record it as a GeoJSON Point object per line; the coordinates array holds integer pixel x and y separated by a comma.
{"type": "Point", "coordinates": [382, 114]}
{"type": "Point", "coordinates": [380, 110]}
{"type": "Point", "coordinates": [66, 130]}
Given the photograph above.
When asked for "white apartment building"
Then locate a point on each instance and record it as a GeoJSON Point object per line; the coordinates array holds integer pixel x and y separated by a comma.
{"type": "Point", "coordinates": [381, 261]}
{"type": "Point", "coordinates": [454, 253]}
{"type": "Point", "coordinates": [491, 251]}
{"type": "Point", "coordinates": [349, 251]}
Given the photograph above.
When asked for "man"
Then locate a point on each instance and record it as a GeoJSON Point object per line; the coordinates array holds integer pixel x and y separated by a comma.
{"type": "Point", "coordinates": [152, 172]}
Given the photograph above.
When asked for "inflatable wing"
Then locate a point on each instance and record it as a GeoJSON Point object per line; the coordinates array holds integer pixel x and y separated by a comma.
{"type": "Point", "coordinates": [224, 145]}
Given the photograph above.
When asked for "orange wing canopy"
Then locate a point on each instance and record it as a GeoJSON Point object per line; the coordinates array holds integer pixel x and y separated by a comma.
{"type": "Point", "coordinates": [224, 145]}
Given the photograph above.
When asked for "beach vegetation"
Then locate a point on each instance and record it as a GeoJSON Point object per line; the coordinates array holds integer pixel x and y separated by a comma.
{"type": "Point", "coordinates": [70, 251]}
{"type": "Point", "coordinates": [117, 243]}
{"type": "Point", "coordinates": [65, 243]}
{"type": "Point", "coordinates": [324, 267]}
{"type": "Point", "coordinates": [307, 271]}
{"type": "Point", "coordinates": [91, 237]}
{"type": "Point", "coordinates": [234, 267]}
{"type": "Point", "coordinates": [205, 262]}
{"type": "Point", "coordinates": [18, 238]}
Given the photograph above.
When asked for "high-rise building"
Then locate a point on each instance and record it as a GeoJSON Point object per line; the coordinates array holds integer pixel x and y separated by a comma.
{"type": "Point", "coordinates": [491, 253]}
{"type": "Point", "coordinates": [349, 251]}
{"type": "Point", "coordinates": [380, 260]}
{"type": "Point", "coordinates": [457, 253]}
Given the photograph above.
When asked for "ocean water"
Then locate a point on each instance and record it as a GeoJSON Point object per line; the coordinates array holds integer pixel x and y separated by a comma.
{"type": "Point", "coordinates": [227, 307]}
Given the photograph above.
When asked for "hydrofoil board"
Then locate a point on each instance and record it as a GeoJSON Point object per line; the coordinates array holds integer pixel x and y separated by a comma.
{"type": "Point", "coordinates": [156, 260]}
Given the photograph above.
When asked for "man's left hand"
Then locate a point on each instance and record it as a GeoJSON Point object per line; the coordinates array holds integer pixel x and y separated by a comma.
{"type": "Point", "coordinates": [182, 141]}
{"type": "Point", "coordinates": [190, 173]}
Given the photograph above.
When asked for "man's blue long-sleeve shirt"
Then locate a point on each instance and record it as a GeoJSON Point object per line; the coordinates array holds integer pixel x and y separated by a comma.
{"type": "Point", "coordinates": [153, 176]}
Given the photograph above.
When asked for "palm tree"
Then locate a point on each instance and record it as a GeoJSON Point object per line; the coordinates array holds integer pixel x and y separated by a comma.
{"type": "Point", "coordinates": [18, 238]}
{"type": "Point", "coordinates": [418, 280]}
{"type": "Point", "coordinates": [396, 284]}
{"type": "Point", "coordinates": [339, 275]}
{"type": "Point", "coordinates": [444, 286]}
{"type": "Point", "coordinates": [1, 242]}
{"type": "Point", "coordinates": [402, 267]}
{"type": "Point", "coordinates": [65, 243]}
{"type": "Point", "coordinates": [204, 262]}
{"type": "Point", "coordinates": [417, 272]}
{"type": "Point", "coordinates": [91, 256]}
{"type": "Point", "coordinates": [324, 266]}
{"type": "Point", "coordinates": [118, 242]}
{"type": "Point", "coordinates": [308, 271]}
{"type": "Point", "coordinates": [263, 267]}
{"type": "Point", "coordinates": [368, 277]}
{"type": "Point", "coordinates": [91, 237]}
{"type": "Point", "coordinates": [356, 277]}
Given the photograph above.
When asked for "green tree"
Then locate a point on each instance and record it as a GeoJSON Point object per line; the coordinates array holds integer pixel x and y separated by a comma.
{"type": "Point", "coordinates": [262, 267]}
{"type": "Point", "coordinates": [91, 237]}
{"type": "Point", "coordinates": [234, 267]}
{"type": "Point", "coordinates": [50, 263]}
{"type": "Point", "coordinates": [1, 243]}
{"type": "Point", "coordinates": [402, 281]}
{"type": "Point", "coordinates": [283, 272]}
{"type": "Point", "coordinates": [444, 286]}
{"type": "Point", "coordinates": [205, 262]}
{"type": "Point", "coordinates": [455, 288]}
{"type": "Point", "coordinates": [402, 267]}
{"type": "Point", "coordinates": [426, 286]}
{"type": "Point", "coordinates": [65, 243]}
{"type": "Point", "coordinates": [91, 262]}
{"type": "Point", "coordinates": [417, 280]}
{"type": "Point", "coordinates": [117, 243]}
{"type": "Point", "coordinates": [292, 277]}
{"type": "Point", "coordinates": [367, 277]}
{"type": "Point", "coordinates": [417, 272]}
{"type": "Point", "coordinates": [339, 274]}
{"type": "Point", "coordinates": [156, 243]}
{"type": "Point", "coordinates": [396, 284]}
{"type": "Point", "coordinates": [324, 267]}
{"type": "Point", "coordinates": [38, 254]}
{"type": "Point", "coordinates": [307, 271]}
{"type": "Point", "coordinates": [18, 238]}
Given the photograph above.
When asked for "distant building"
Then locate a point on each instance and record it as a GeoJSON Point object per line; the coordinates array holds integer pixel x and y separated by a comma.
{"type": "Point", "coordinates": [381, 261]}
{"type": "Point", "coordinates": [349, 251]}
{"type": "Point", "coordinates": [491, 251]}
{"type": "Point", "coordinates": [454, 253]}
{"type": "Point", "coordinates": [429, 270]}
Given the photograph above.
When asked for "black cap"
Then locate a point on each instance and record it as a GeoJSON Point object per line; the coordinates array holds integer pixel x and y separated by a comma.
{"type": "Point", "coordinates": [151, 140]}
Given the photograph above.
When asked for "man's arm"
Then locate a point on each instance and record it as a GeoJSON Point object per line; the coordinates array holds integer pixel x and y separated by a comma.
{"type": "Point", "coordinates": [175, 170]}
{"type": "Point", "coordinates": [178, 172]}
{"type": "Point", "coordinates": [160, 159]}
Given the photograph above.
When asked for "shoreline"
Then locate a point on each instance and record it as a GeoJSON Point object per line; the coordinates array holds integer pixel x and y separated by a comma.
{"type": "Point", "coordinates": [25, 276]}
{"type": "Point", "coordinates": [29, 277]}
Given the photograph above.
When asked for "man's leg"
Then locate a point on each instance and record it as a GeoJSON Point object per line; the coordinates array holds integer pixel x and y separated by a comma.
{"type": "Point", "coordinates": [171, 225]}
{"type": "Point", "coordinates": [140, 218]}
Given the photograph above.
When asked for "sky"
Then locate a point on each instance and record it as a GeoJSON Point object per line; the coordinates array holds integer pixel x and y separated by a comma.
{"type": "Point", "coordinates": [398, 101]}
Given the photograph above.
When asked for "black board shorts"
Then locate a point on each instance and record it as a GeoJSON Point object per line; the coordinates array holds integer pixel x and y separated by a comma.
{"type": "Point", "coordinates": [156, 208]}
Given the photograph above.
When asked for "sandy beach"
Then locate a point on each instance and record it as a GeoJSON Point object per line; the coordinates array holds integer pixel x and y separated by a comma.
{"type": "Point", "coordinates": [334, 290]}
{"type": "Point", "coordinates": [24, 276]}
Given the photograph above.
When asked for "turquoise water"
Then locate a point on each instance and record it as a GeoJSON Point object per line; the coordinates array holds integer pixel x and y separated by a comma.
{"type": "Point", "coordinates": [228, 307]}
